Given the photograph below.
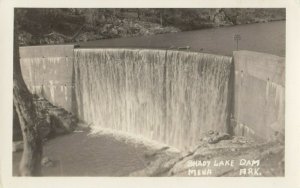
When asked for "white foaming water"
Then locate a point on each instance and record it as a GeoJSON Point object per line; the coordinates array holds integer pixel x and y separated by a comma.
{"type": "Point", "coordinates": [132, 139]}
{"type": "Point", "coordinates": [167, 96]}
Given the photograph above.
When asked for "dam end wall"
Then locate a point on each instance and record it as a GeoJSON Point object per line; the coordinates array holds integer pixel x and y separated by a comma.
{"type": "Point", "coordinates": [48, 72]}
{"type": "Point", "coordinates": [259, 95]}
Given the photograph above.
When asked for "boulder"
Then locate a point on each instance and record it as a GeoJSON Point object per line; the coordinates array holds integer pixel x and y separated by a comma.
{"type": "Point", "coordinates": [52, 121]}
{"type": "Point", "coordinates": [18, 146]}
{"type": "Point", "coordinates": [17, 132]}
{"type": "Point", "coordinates": [47, 162]}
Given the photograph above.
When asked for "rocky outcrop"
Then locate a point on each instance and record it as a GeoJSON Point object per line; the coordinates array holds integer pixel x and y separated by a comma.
{"type": "Point", "coordinates": [270, 157]}
{"type": "Point", "coordinates": [17, 133]}
{"type": "Point", "coordinates": [18, 146]}
{"type": "Point", "coordinates": [53, 121]}
{"type": "Point", "coordinates": [47, 162]}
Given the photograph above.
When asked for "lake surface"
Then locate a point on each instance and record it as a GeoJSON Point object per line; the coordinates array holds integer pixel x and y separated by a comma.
{"type": "Point", "coordinates": [260, 37]}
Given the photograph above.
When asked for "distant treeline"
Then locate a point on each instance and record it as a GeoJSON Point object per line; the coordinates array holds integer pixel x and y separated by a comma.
{"type": "Point", "coordinates": [47, 26]}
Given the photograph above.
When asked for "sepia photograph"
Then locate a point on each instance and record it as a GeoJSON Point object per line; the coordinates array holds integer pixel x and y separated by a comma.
{"type": "Point", "coordinates": [149, 92]}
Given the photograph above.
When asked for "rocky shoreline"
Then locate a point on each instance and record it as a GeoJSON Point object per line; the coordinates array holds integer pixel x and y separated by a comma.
{"type": "Point", "coordinates": [229, 156]}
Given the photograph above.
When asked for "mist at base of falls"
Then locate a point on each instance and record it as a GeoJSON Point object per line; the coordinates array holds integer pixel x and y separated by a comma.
{"type": "Point", "coordinates": [167, 96]}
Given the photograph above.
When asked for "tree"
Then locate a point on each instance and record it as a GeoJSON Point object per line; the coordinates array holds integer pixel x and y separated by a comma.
{"type": "Point", "coordinates": [23, 101]}
{"type": "Point", "coordinates": [161, 16]}
{"type": "Point", "coordinates": [91, 16]}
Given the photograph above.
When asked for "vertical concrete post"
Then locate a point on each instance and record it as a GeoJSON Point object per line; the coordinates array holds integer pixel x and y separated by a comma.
{"type": "Point", "coordinates": [259, 95]}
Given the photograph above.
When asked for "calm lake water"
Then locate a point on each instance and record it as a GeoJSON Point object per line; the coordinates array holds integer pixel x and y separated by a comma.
{"type": "Point", "coordinates": [261, 37]}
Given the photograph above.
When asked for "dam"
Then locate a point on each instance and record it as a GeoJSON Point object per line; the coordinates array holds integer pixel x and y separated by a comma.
{"type": "Point", "coordinates": [163, 95]}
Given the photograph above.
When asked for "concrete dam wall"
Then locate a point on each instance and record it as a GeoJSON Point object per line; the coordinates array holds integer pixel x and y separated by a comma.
{"type": "Point", "coordinates": [168, 96]}
{"type": "Point", "coordinates": [48, 72]}
{"type": "Point", "coordinates": [259, 94]}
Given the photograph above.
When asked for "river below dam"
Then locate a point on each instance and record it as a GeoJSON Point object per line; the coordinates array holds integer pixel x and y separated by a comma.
{"type": "Point", "coordinates": [105, 154]}
{"type": "Point", "coordinates": [80, 154]}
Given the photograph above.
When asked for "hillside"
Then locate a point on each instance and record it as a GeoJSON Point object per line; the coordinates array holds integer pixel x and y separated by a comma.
{"type": "Point", "coordinates": [54, 26]}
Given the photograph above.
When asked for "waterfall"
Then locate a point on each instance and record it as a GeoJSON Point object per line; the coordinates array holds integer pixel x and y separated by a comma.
{"type": "Point", "coordinates": [167, 96]}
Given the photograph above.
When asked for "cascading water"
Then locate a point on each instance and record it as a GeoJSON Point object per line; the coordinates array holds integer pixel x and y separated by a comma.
{"type": "Point", "coordinates": [197, 93]}
{"type": "Point", "coordinates": [167, 96]}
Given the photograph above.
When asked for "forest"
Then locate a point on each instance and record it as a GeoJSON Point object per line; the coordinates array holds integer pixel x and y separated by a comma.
{"type": "Point", "coordinates": [37, 26]}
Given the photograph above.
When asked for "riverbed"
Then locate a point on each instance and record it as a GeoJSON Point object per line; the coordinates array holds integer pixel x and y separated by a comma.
{"type": "Point", "coordinates": [80, 154]}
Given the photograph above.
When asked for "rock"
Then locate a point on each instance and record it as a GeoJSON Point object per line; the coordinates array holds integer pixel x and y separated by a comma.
{"type": "Point", "coordinates": [212, 140]}
{"type": "Point", "coordinates": [46, 162]}
{"type": "Point", "coordinates": [239, 140]}
{"type": "Point", "coordinates": [17, 132]}
{"type": "Point", "coordinates": [53, 121]}
{"type": "Point", "coordinates": [151, 154]}
{"type": "Point", "coordinates": [220, 19]}
{"type": "Point", "coordinates": [78, 131]}
{"type": "Point", "coordinates": [18, 146]}
{"type": "Point", "coordinates": [45, 129]}
{"type": "Point", "coordinates": [114, 31]}
{"type": "Point", "coordinates": [61, 119]}
{"type": "Point", "coordinates": [218, 137]}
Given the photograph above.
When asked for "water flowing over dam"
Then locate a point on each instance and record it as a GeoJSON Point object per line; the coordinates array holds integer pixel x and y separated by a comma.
{"type": "Point", "coordinates": [167, 96]}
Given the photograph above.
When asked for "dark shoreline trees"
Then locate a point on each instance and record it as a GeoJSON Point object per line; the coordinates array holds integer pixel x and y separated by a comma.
{"type": "Point", "coordinates": [64, 25]}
